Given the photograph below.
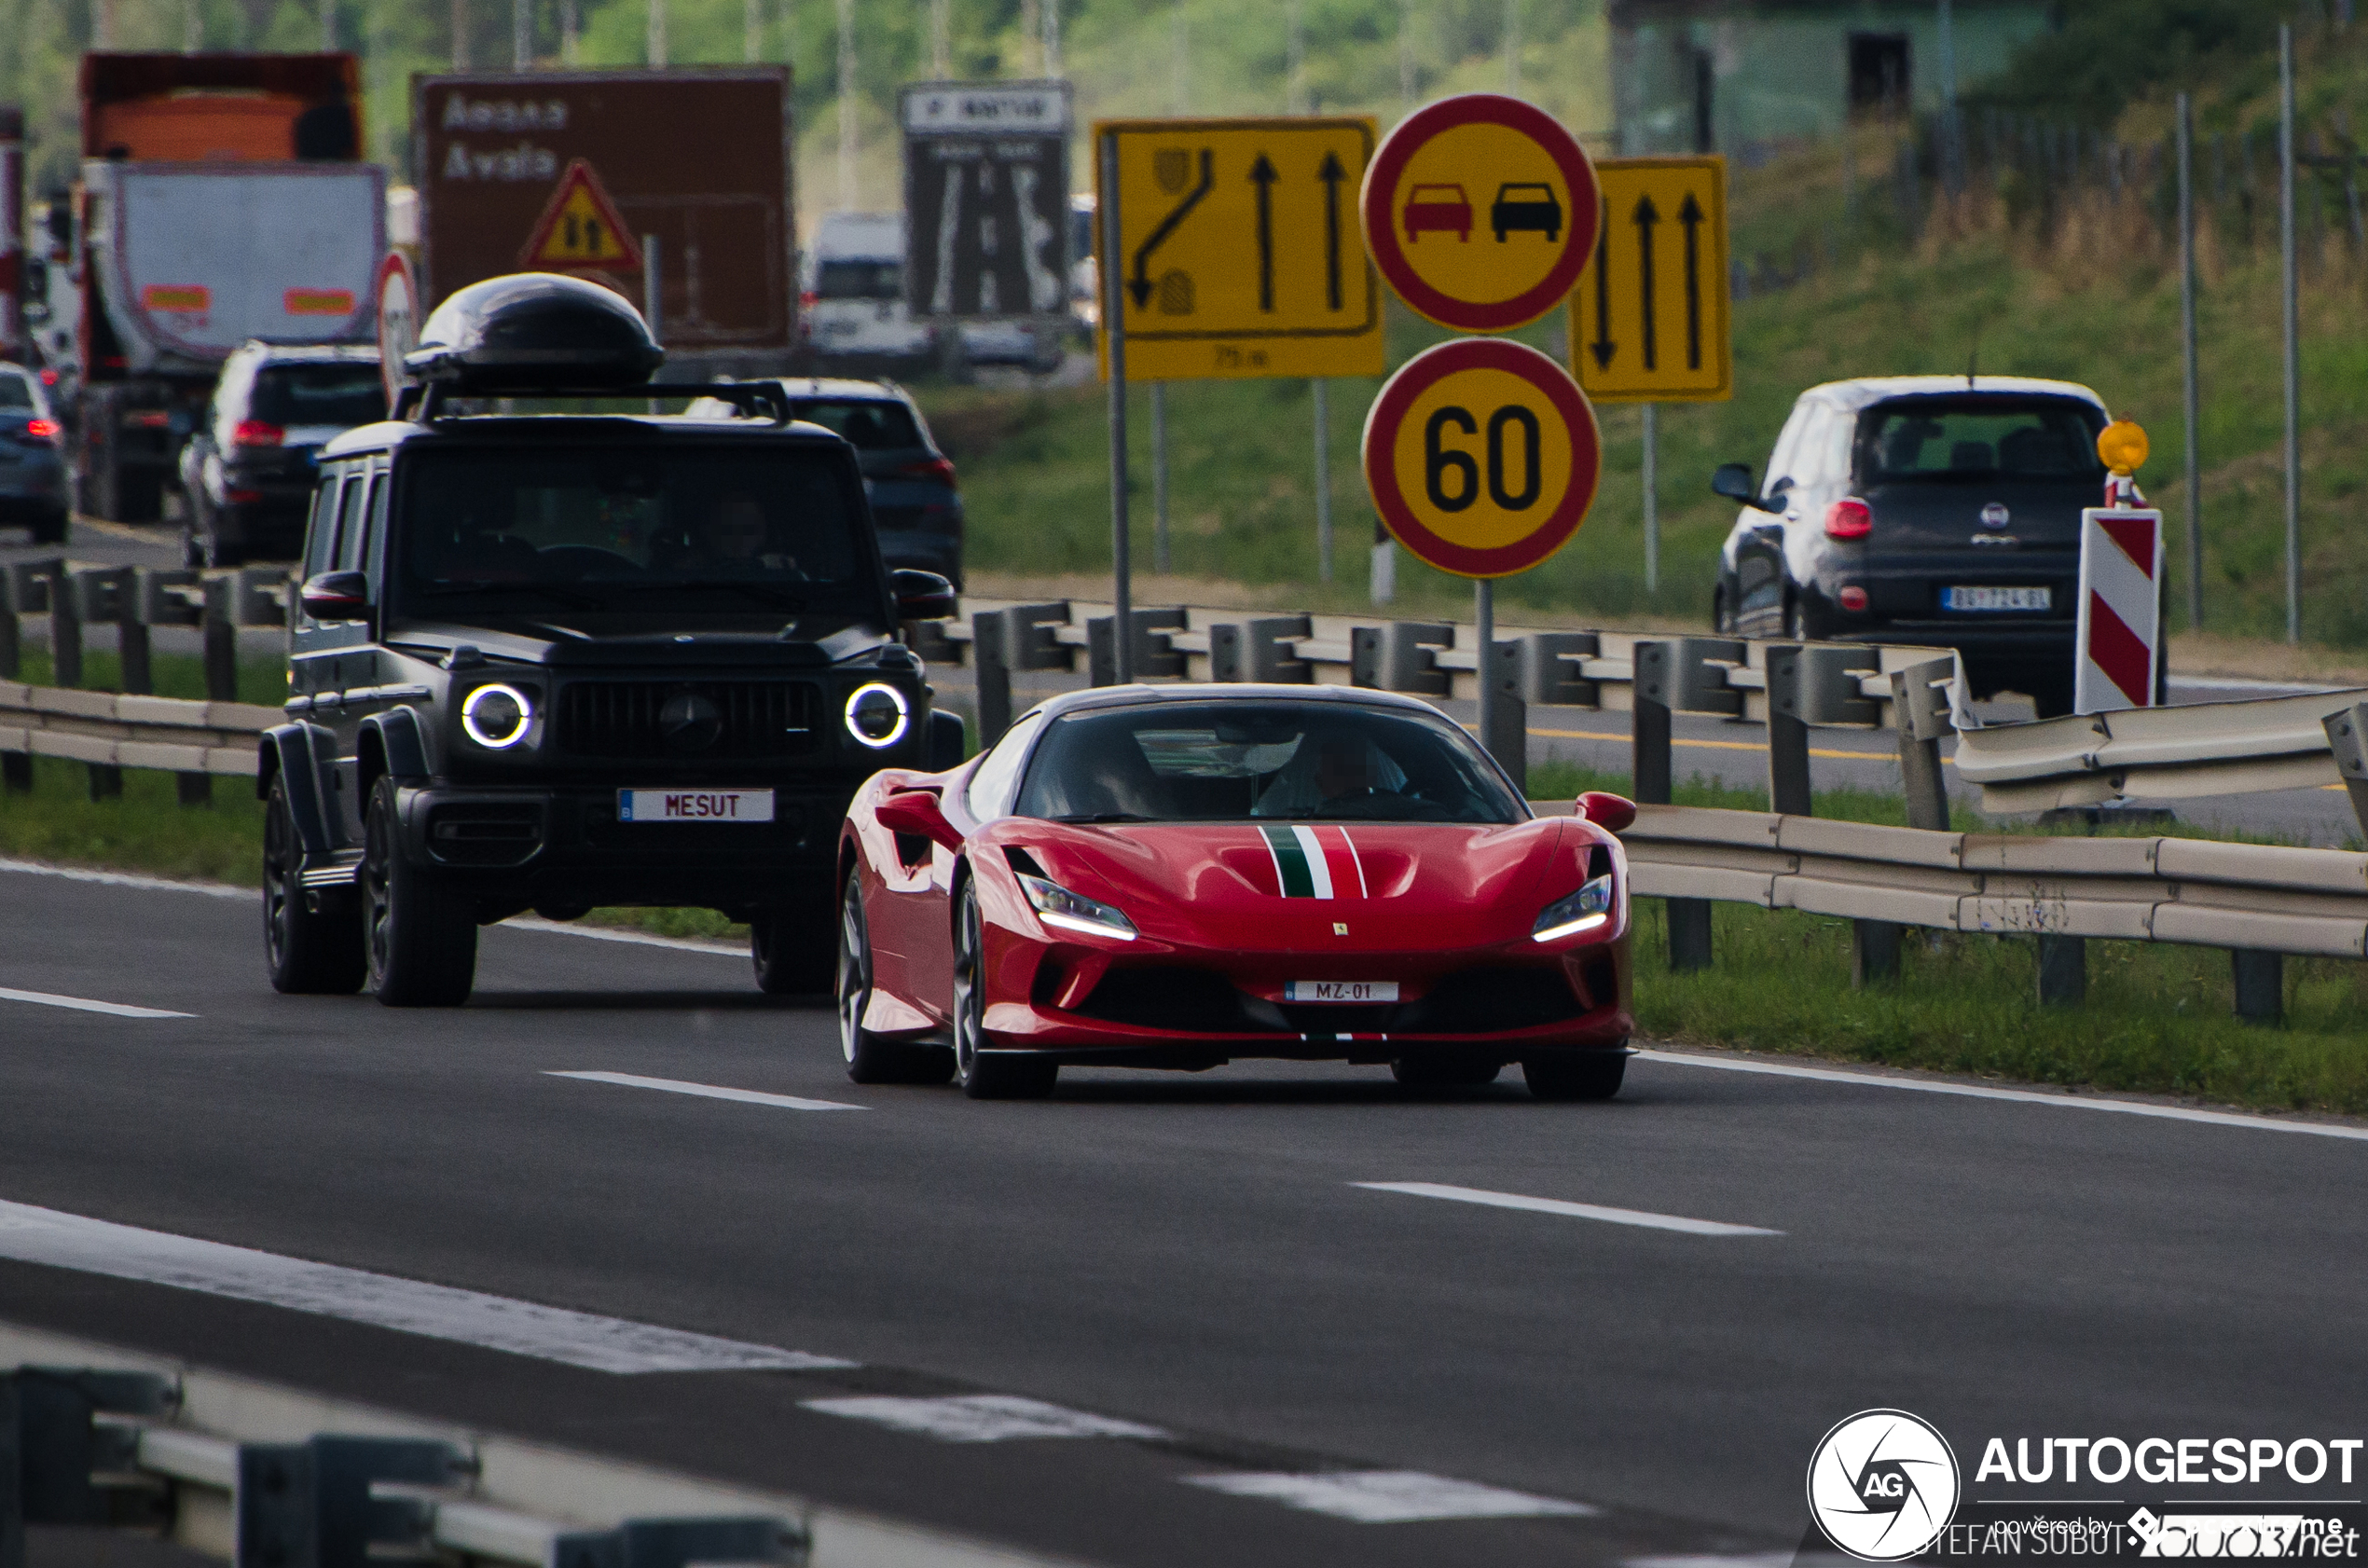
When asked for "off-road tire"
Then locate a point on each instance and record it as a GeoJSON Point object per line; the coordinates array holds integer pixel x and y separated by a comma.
{"type": "Point", "coordinates": [312, 944]}
{"type": "Point", "coordinates": [421, 937]}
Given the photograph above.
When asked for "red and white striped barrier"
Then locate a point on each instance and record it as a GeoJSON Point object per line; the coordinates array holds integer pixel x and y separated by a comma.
{"type": "Point", "coordinates": [2119, 647]}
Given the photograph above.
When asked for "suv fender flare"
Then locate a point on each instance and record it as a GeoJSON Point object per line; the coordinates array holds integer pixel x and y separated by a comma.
{"type": "Point", "coordinates": [301, 754]}
{"type": "Point", "coordinates": [390, 745]}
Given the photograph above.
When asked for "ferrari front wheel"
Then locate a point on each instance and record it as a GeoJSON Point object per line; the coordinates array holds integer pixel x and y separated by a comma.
{"type": "Point", "coordinates": [869, 1058]}
{"type": "Point", "coordinates": [985, 1074]}
{"type": "Point", "coordinates": [1578, 1075]}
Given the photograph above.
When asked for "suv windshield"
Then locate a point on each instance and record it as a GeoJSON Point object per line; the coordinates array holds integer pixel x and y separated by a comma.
{"type": "Point", "coordinates": [1235, 761]}
{"type": "Point", "coordinates": [688, 527]}
{"type": "Point", "coordinates": [868, 424]}
{"type": "Point", "coordinates": [343, 395]}
{"type": "Point", "coordinates": [1979, 439]}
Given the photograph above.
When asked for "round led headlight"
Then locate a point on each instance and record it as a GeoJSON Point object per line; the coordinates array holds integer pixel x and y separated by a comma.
{"type": "Point", "coordinates": [877, 715]}
{"type": "Point", "coordinates": [497, 716]}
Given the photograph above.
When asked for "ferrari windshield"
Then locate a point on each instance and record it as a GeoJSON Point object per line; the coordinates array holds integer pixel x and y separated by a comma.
{"type": "Point", "coordinates": [1289, 761]}
{"type": "Point", "coordinates": [678, 527]}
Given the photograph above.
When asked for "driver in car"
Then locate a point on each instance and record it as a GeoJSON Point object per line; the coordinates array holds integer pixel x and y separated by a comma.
{"type": "Point", "coordinates": [730, 540]}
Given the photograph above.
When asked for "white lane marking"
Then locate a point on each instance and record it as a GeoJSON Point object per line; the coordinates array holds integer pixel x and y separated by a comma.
{"type": "Point", "coordinates": [439, 1312]}
{"type": "Point", "coordinates": [1389, 1496]}
{"type": "Point", "coordinates": [1575, 1211]}
{"type": "Point", "coordinates": [1733, 1559]}
{"type": "Point", "coordinates": [637, 939]}
{"type": "Point", "coordinates": [84, 1004]}
{"type": "Point", "coordinates": [125, 879]}
{"type": "Point", "coordinates": [2020, 1096]}
{"type": "Point", "coordinates": [981, 1418]}
{"type": "Point", "coordinates": [710, 1091]}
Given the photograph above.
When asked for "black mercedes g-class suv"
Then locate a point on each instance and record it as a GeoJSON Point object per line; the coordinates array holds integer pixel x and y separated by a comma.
{"type": "Point", "coordinates": [590, 657]}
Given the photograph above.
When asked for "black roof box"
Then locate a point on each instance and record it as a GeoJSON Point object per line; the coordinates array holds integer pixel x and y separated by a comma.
{"type": "Point", "coordinates": [531, 331]}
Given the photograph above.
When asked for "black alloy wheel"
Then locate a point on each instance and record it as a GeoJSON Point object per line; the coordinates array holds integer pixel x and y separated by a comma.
{"type": "Point", "coordinates": [869, 1058]}
{"type": "Point", "coordinates": [308, 950]}
{"type": "Point", "coordinates": [985, 1074]}
{"type": "Point", "coordinates": [1575, 1075]}
{"type": "Point", "coordinates": [421, 936]}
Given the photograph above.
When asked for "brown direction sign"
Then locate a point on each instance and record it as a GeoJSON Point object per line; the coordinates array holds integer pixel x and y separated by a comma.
{"type": "Point", "coordinates": [695, 156]}
{"type": "Point", "coordinates": [1481, 456]}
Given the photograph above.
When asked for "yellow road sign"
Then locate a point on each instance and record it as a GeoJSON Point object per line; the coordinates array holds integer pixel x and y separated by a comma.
{"type": "Point", "coordinates": [1649, 317]}
{"type": "Point", "coordinates": [1483, 456]}
{"type": "Point", "coordinates": [1239, 254]}
{"type": "Point", "coordinates": [580, 228]}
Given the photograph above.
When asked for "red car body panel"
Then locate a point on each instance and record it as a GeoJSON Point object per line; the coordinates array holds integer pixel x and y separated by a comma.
{"type": "Point", "coordinates": [1443, 911]}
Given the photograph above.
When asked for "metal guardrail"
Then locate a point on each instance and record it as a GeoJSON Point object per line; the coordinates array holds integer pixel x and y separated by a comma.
{"type": "Point", "coordinates": [2261, 902]}
{"type": "Point", "coordinates": [2171, 753]}
{"type": "Point", "coordinates": [175, 733]}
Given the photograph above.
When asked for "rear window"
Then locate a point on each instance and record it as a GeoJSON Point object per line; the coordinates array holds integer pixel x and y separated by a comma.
{"type": "Point", "coordinates": [16, 394]}
{"type": "Point", "coordinates": [868, 424]}
{"type": "Point", "coordinates": [1979, 439]}
{"type": "Point", "coordinates": [861, 279]}
{"type": "Point", "coordinates": [342, 395]}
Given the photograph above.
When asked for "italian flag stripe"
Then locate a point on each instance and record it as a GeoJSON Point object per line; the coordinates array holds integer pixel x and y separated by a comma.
{"type": "Point", "coordinates": [1315, 862]}
{"type": "Point", "coordinates": [1319, 871]}
{"type": "Point", "coordinates": [1291, 863]}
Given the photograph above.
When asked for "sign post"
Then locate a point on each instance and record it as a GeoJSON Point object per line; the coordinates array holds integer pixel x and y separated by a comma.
{"type": "Point", "coordinates": [1508, 202]}
{"type": "Point", "coordinates": [1114, 362]}
{"type": "Point", "coordinates": [1649, 319]}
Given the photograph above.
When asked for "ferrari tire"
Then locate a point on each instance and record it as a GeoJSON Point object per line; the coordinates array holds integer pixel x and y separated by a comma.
{"type": "Point", "coordinates": [1589, 1075]}
{"type": "Point", "coordinates": [421, 935]}
{"type": "Point", "coordinates": [312, 942]}
{"type": "Point", "coordinates": [869, 1058]}
{"type": "Point", "coordinates": [1445, 1072]}
{"type": "Point", "coordinates": [792, 950]}
{"type": "Point", "coordinates": [985, 1074]}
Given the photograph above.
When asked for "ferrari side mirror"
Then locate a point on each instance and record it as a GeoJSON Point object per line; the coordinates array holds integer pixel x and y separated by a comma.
{"type": "Point", "coordinates": [1610, 812]}
{"type": "Point", "coordinates": [916, 812]}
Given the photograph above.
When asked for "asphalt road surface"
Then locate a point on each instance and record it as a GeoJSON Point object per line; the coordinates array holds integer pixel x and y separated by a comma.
{"type": "Point", "coordinates": [1193, 1329]}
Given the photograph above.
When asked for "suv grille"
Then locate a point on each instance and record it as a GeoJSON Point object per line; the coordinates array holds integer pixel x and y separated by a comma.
{"type": "Point", "coordinates": [730, 719]}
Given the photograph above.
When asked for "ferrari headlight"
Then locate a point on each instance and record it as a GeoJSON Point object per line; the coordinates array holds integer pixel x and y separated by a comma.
{"type": "Point", "coordinates": [497, 716]}
{"type": "Point", "coordinates": [877, 716]}
{"type": "Point", "coordinates": [1055, 906]}
{"type": "Point", "coordinates": [1583, 911]}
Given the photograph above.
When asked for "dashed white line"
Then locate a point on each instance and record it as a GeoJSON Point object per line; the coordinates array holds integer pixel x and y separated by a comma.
{"type": "Point", "coordinates": [439, 1312]}
{"type": "Point", "coordinates": [1572, 1211]}
{"type": "Point", "coordinates": [981, 1418]}
{"type": "Point", "coordinates": [84, 1004]}
{"type": "Point", "coordinates": [2019, 1097]}
{"type": "Point", "coordinates": [1389, 1496]}
{"type": "Point", "coordinates": [710, 1091]}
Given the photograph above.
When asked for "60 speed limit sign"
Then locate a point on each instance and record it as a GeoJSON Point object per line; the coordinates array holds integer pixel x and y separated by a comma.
{"type": "Point", "coordinates": [1482, 457]}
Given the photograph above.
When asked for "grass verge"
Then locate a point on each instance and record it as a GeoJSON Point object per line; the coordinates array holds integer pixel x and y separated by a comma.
{"type": "Point", "coordinates": [2157, 1016]}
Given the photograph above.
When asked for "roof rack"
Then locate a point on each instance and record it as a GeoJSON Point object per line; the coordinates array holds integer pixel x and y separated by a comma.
{"type": "Point", "coordinates": [424, 404]}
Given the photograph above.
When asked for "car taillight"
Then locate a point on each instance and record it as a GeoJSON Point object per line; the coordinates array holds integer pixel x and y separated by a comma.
{"type": "Point", "coordinates": [42, 430]}
{"type": "Point", "coordinates": [1853, 599]}
{"type": "Point", "coordinates": [49, 377]}
{"type": "Point", "coordinates": [243, 498]}
{"type": "Point", "coordinates": [255, 433]}
{"type": "Point", "coordinates": [939, 469]}
{"type": "Point", "coordinates": [1849, 518]}
{"type": "Point", "coordinates": [807, 300]}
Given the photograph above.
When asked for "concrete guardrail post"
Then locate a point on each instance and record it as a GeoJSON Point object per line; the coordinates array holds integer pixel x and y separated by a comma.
{"type": "Point", "coordinates": [1550, 670]}
{"type": "Point", "coordinates": [1260, 651]}
{"type": "Point", "coordinates": [1788, 791]}
{"type": "Point", "coordinates": [1920, 705]}
{"type": "Point", "coordinates": [1810, 685]}
{"type": "Point", "coordinates": [2260, 984]}
{"type": "Point", "coordinates": [1154, 655]}
{"type": "Point", "coordinates": [1400, 656]}
{"type": "Point", "coordinates": [65, 625]}
{"type": "Point", "coordinates": [105, 595]}
{"type": "Point", "coordinates": [174, 596]}
{"type": "Point", "coordinates": [27, 584]}
{"type": "Point", "coordinates": [1508, 737]}
{"type": "Point", "coordinates": [1655, 687]}
{"type": "Point", "coordinates": [2063, 969]}
{"type": "Point", "coordinates": [2348, 739]}
{"type": "Point", "coordinates": [219, 621]}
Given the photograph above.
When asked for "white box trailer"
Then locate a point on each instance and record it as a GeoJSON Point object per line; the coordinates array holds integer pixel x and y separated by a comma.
{"type": "Point", "coordinates": [183, 262]}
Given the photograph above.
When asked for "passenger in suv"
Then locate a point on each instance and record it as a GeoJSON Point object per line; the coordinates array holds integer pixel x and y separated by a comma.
{"type": "Point", "coordinates": [247, 472]}
{"type": "Point", "coordinates": [1938, 510]}
{"type": "Point", "coordinates": [915, 502]}
{"type": "Point", "coordinates": [563, 660]}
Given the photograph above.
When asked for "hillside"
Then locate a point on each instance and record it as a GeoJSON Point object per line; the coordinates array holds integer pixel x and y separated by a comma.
{"type": "Point", "coordinates": [2041, 270]}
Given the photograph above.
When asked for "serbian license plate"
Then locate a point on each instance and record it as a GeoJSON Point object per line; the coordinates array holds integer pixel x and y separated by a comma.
{"type": "Point", "coordinates": [695, 805]}
{"type": "Point", "coordinates": [1995, 599]}
{"type": "Point", "coordinates": [1340, 990]}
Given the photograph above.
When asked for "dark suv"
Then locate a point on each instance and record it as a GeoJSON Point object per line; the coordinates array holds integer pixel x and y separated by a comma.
{"type": "Point", "coordinates": [1935, 510]}
{"type": "Point", "coordinates": [585, 657]}
{"type": "Point", "coordinates": [247, 471]}
{"type": "Point", "coordinates": [915, 504]}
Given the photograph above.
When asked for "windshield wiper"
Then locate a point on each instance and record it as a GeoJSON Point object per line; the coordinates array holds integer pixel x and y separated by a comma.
{"type": "Point", "coordinates": [548, 590]}
{"type": "Point", "coordinates": [1102, 817]}
{"type": "Point", "coordinates": [757, 591]}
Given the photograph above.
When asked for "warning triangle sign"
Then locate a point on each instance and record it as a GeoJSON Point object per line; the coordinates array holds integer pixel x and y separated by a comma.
{"type": "Point", "coordinates": [580, 228]}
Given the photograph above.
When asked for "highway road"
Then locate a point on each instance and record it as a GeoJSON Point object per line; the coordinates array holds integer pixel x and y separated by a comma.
{"type": "Point", "coordinates": [1174, 1317]}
